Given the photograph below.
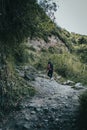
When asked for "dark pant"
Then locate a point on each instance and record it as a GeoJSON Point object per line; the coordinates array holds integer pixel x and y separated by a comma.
{"type": "Point", "coordinates": [50, 73]}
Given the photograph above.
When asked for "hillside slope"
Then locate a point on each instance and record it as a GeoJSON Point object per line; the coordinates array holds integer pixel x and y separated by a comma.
{"type": "Point", "coordinates": [28, 37]}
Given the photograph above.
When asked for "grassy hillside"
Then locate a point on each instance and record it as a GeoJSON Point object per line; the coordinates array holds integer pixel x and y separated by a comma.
{"type": "Point", "coordinates": [68, 65]}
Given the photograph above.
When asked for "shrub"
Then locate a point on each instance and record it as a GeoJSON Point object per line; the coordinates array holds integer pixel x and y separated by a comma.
{"type": "Point", "coordinates": [51, 49]}
{"type": "Point", "coordinates": [32, 48]}
{"type": "Point", "coordinates": [20, 54]}
{"type": "Point", "coordinates": [69, 66]}
{"type": "Point", "coordinates": [83, 111]}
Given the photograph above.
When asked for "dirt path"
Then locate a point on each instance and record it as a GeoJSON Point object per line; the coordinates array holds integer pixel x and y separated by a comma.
{"type": "Point", "coordinates": [54, 107]}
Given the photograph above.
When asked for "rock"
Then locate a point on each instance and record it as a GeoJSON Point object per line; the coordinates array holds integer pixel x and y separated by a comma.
{"type": "Point", "coordinates": [78, 86]}
{"type": "Point", "coordinates": [58, 77]}
{"type": "Point", "coordinates": [57, 119]}
{"type": "Point", "coordinates": [27, 117]}
{"type": "Point", "coordinates": [30, 76]}
{"type": "Point", "coordinates": [26, 126]}
{"type": "Point", "coordinates": [26, 67]}
{"type": "Point", "coordinates": [33, 112]}
{"type": "Point", "coordinates": [69, 82]}
{"type": "Point", "coordinates": [46, 110]}
{"type": "Point", "coordinates": [45, 120]}
{"type": "Point", "coordinates": [38, 109]}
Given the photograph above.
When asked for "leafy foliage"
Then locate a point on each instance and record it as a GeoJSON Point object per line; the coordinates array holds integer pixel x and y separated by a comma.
{"type": "Point", "coordinates": [18, 20]}
{"type": "Point", "coordinates": [83, 111]}
{"type": "Point", "coordinates": [83, 54]}
{"type": "Point", "coordinates": [82, 40]}
{"type": "Point", "coordinates": [49, 7]}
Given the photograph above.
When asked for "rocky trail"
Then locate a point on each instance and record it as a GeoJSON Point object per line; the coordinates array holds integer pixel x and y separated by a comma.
{"type": "Point", "coordinates": [54, 107]}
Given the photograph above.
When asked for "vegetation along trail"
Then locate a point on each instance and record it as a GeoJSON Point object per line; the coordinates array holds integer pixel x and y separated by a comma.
{"type": "Point", "coordinates": [54, 107]}
{"type": "Point", "coordinates": [29, 38]}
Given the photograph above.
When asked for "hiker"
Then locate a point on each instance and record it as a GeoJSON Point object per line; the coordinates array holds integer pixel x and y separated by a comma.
{"type": "Point", "coordinates": [50, 69]}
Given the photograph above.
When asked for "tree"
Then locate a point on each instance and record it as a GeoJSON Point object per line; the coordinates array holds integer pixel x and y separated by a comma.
{"type": "Point", "coordinates": [82, 40]}
{"type": "Point", "coordinates": [49, 6]}
{"type": "Point", "coordinates": [16, 19]}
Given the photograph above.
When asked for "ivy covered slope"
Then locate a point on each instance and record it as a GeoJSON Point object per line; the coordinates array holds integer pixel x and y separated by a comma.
{"type": "Point", "coordinates": [21, 23]}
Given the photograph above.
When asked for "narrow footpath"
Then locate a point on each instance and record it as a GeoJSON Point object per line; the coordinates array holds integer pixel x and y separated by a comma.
{"type": "Point", "coordinates": [54, 107]}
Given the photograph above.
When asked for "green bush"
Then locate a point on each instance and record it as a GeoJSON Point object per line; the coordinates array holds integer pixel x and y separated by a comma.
{"type": "Point", "coordinates": [43, 49]}
{"type": "Point", "coordinates": [32, 48]}
{"type": "Point", "coordinates": [82, 52]}
{"type": "Point", "coordinates": [69, 66]}
{"type": "Point", "coordinates": [20, 54]}
{"type": "Point", "coordinates": [12, 92]}
{"type": "Point", "coordinates": [51, 49]}
{"type": "Point", "coordinates": [83, 111]}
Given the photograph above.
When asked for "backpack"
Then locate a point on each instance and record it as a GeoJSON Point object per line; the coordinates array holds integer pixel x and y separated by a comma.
{"type": "Point", "coordinates": [50, 66]}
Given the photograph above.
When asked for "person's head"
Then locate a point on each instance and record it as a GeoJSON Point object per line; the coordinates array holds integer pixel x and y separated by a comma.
{"type": "Point", "coordinates": [49, 62]}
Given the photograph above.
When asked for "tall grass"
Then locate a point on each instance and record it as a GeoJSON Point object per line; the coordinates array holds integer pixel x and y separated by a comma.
{"type": "Point", "coordinates": [66, 65]}
{"type": "Point", "coordinates": [69, 66]}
